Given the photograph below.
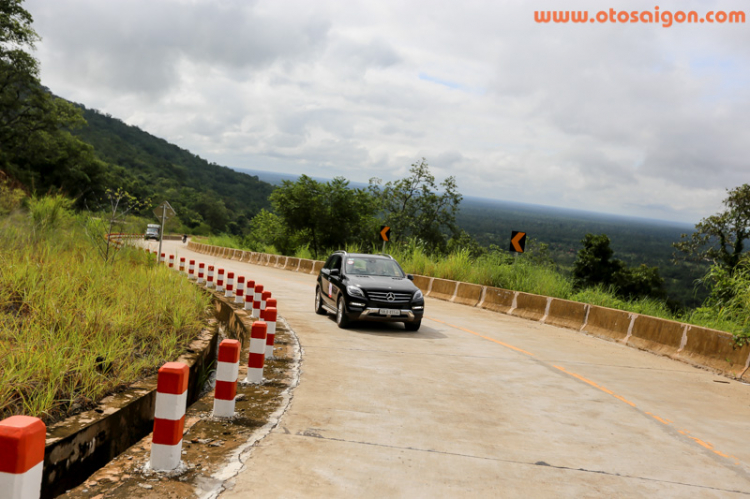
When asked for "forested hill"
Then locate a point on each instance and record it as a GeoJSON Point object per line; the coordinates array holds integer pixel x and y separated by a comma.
{"type": "Point", "coordinates": [206, 196]}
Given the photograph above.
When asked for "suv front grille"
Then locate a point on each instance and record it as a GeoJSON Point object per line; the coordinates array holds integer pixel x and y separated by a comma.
{"type": "Point", "coordinates": [382, 296]}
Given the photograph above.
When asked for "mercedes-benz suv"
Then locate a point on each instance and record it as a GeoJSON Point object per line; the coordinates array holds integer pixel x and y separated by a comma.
{"type": "Point", "coordinates": [360, 287]}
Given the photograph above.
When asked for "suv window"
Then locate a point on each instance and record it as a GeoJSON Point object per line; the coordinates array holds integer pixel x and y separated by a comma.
{"type": "Point", "coordinates": [373, 266]}
{"type": "Point", "coordinates": [333, 263]}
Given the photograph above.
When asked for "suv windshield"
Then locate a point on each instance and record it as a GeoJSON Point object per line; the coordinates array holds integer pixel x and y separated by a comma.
{"type": "Point", "coordinates": [372, 266]}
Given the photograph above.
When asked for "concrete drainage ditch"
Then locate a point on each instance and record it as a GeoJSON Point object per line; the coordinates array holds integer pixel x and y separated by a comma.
{"type": "Point", "coordinates": [119, 426]}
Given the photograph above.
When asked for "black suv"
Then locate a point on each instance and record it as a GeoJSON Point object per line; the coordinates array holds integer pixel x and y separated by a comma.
{"type": "Point", "coordinates": [369, 288]}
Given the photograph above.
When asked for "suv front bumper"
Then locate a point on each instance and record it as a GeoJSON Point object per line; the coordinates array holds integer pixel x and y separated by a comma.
{"type": "Point", "coordinates": [373, 314]}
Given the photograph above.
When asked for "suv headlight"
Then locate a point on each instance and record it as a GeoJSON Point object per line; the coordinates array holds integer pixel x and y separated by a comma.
{"type": "Point", "coordinates": [355, 291]}
{"type": "Point", "coordinates": [418, 295]}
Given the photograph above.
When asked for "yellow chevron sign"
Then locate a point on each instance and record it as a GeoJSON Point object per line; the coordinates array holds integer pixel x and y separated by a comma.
{"type": "Point", "coordinates": [517, 241]}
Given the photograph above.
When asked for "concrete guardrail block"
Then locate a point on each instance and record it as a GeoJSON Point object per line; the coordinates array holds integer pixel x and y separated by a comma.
{"type": "Point", "coordinates": [443, 289]}
{"type": "Point", "coordinates": [565, 313]}
{"type": "Point", "coordinates": [468, 294]}
{"type": "Point", "coordinates": [656, 335]}
{"type": "Point", "coordinates": [608, 323]}
{"type": "Point", "coordinates": [498, 299]}
{"type": "Point", "coordinates": [716, 350]}
{"type": "Point", "coordinates": [530, 306]}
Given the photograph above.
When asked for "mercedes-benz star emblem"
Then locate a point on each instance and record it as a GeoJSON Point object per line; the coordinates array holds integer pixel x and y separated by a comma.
{"type": "Point", "coordinates": [390, 297]}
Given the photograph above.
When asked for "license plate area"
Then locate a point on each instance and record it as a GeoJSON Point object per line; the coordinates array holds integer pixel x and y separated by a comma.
{"type": "Point", "coordinates": [389, 311]}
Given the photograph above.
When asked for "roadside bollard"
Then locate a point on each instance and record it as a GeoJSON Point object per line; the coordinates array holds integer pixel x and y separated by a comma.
{"type": "Point", "coordinates": [191, 270]}
{"type": "Point", "coordinates": [270, 319]}
{"type": "Point", "coordinates": [264, 297]}
{"type": "Point", "coordinates": [257, 352]}
{"type": "Point", "coordinates": [240, 292]}
{"type": "Point", "coordinates": [201, 273]}
{"type": "Point", "coordinates": [210, 278]}
{"type": "Point", "coordinates": [271, 302]}
{"type": "Point", "coordinates": [227, 374]}
{"type": "Point", "coordinates": [169, 417]}
{"type": "Point", "coordinates": [249, 295]}
{"type": "Point", "coordinates": [230, 285]}
{"type": "Point", "coordinates": [171, 261]}
{"type": "Point", "coordinates": [182, 265]}
{"type": "Point", "coordinates": [256, 300]}
{"type": "Point", "coordinates": [22, 441]}
{"type": "Point", "coordinates": [163, 256]}
{"type": "Point", "coordinates": [220, 281]}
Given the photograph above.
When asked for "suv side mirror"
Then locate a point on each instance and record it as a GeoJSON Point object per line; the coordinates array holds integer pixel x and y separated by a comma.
{"type": "Point", "coordinates": [410, 277]}
{"type": "Point", "coordinates": [325, 271]}
{"type": "Point", "coordinates": [335, 271]}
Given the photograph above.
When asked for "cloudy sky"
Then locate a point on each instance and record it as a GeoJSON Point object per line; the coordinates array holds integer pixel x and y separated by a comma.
{"type": "Point", "coordinates": [633, 119]}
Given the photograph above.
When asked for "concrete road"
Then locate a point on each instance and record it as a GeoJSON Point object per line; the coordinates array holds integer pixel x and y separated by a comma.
{"type": "Point", "coordinates": [480, 404]}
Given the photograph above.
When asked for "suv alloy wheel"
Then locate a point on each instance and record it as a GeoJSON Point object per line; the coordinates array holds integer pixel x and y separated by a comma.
{"type": "Point", "coordinates": [341, 319]}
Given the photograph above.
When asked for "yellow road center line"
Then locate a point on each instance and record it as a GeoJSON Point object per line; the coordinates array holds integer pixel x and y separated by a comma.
{"type": "Point", "coordinates": [483, 337]}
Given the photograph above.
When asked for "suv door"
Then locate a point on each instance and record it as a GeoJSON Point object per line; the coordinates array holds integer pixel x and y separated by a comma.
{"type": "Point", "coordinates": [329, 285]}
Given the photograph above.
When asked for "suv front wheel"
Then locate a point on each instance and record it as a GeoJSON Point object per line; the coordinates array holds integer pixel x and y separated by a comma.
{"type": "Point", "coordinates": [341, 319]}
{"type": "Point", "coordinates": [412, 326]}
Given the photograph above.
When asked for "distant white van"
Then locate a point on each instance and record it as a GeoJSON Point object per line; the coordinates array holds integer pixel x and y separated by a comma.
{"type": "Point", "coordinates": [152, 231]}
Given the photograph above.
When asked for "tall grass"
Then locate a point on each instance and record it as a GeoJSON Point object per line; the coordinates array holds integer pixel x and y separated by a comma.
{"type": "Point", "coordinates": [73, 329]}
{"type": "Point", "coordinates": [230, 241]}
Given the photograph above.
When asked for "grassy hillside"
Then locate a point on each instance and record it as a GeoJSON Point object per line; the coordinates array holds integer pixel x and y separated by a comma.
{"type": "Point", "coordinates": [74, 328]}
{"type": "Point", "coordinates": [207, 197]}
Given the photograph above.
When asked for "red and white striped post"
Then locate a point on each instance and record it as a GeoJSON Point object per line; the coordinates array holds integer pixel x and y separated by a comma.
{"type": "Point", "coordinates": [201, 273]}
{"type": "Point", "coordinates": [230, 285]}
{"type": "Point", "coordinates": [240, 293]}
{"type": "Point", "coordinates": [210, 279]}
{"type": "Point", "coordinates": [169, 417]}
{"type": "Point", "coordinates": [191, 270]}
{"type": "Point", "coordinates": [250, 295]}
{"type": "Point", "coordinates": [227, 374]}
{"type": "Point", "coordinates": [270, 317]}
{"type": "Point", "coordinates": [256, 300]}
{"type": "Point", "coordinates": [182, 265]}
{"type": "Point", "coordinates": [163, 258]}
{"type": "Point", "coordinates": [257, 352]}
{"type": "Point", "coordinates": [264, 297]}
{"type": "Point", "coordinates": [22, 441]}
{"type": "Point", "coordinates": [220, 281]}
{"type": "Point", "coordinates": [171, 261]}
{"type": "Point", "coordinates": [271, 302]}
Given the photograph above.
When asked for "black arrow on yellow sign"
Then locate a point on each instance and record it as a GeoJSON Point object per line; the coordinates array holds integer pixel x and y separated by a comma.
{"type": "Point", "coordinates": [517, 241]}
{"type": "Point", "coordinates": [385, 233]}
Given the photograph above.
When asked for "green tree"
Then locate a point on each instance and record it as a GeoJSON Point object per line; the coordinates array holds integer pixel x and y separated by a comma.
{"type": "Point", "coordinates": [417, 207]}
{"type": "Point", "coordinates": [720, 238]}
{"type": "Point", "coordinates": [326, 215]}
{"type": "Point", "coordinates": [595, 265]}
{"type": "Point", "coordinates": [35, 145]}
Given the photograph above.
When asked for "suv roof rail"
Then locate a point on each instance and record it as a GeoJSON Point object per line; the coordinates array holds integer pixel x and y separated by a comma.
{"type": "Point", "coordinates": [344, 252]}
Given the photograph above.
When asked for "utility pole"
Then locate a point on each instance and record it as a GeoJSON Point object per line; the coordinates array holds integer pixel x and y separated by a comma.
{"type": "Point", "coordinates": [166, 212]}
{"type": "Point", "coordinates": [161, 232]}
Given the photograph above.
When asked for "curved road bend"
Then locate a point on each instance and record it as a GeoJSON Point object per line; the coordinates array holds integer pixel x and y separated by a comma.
{"type": "Point", "coordinates": [481, 404]}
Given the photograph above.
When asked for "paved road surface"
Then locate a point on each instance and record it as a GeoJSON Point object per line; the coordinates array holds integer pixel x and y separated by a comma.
{"type": "Point", "coordinates": [480, 404]}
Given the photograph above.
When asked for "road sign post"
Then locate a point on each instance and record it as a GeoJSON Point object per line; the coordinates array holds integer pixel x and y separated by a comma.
{"type": "Point", "coordinates": [385, 235]}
